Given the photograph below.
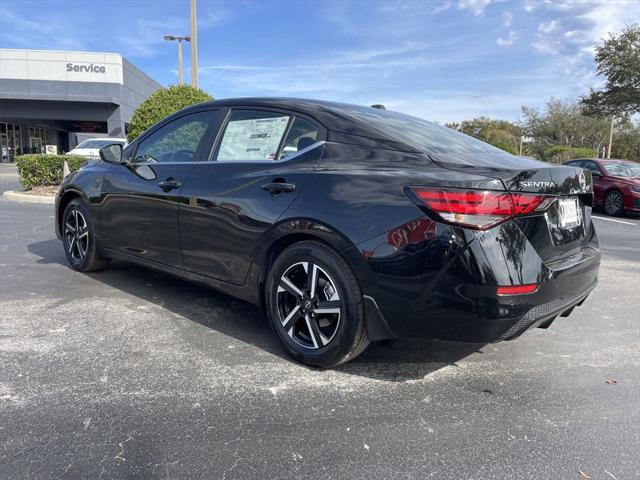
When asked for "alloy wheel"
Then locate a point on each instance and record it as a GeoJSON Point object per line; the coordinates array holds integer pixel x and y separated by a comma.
{"type": "Point", "coordinates": [613, 203]}
{"type": "Point", "coordinates": [308, 305]}
{"type": "Point", "coordinates": [76, 232]}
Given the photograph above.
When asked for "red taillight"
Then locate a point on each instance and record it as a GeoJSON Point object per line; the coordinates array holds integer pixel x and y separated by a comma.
{"type": "Point", "coordinates": [479, 209]}
{"type": "Point", "coordinates": [518, 289]}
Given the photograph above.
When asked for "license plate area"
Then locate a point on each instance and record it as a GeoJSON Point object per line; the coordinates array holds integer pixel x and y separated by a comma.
{"type": "Point", "coordinates": [565, 219]}
{"type": "Point", "coordinates": [569, 213]}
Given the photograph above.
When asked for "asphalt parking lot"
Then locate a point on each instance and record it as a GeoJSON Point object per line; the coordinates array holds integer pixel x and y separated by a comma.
{"type": "Point", "coordinates": [131, 374]}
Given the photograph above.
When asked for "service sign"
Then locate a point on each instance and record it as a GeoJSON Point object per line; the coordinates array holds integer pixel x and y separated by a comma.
{"type": "Point", "coordinates": [51, 150]}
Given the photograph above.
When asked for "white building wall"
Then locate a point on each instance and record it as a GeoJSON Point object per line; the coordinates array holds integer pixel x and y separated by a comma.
{"type": "Point", "coordinates": [61, 66]}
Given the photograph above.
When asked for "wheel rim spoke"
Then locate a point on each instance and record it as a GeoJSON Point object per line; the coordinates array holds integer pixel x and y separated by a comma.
{"type": "Point", "coordinates": [314, 332]}
{"type": "Point", "coordinates": [287, 286]}
{"type": "Point", "coordinates": [70, 228]}
{"type": "Point", "coordinates": [330, 307]}
{"type": "Point", "coordinates": [313, 280]}
{"type": "Point", "coordinates": [293, 315]}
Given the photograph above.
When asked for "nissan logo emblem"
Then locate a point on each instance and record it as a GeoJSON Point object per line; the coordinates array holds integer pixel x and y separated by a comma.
{"type": "Point", "coordinates": [583, 181]}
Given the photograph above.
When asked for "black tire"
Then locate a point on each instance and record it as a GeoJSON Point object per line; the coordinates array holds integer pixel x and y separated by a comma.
{"type": "Point", "coordinates": [78, 238]}
{"type": "Point", "coordinates": [614, 203]}
{"type": "Point", "coordinates": [338, 337]}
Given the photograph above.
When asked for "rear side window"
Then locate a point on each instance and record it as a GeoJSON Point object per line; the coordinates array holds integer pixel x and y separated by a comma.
{"type": "Point", "coordinates": [302, 134]}
{"type": "Point", "coordinates": [252, 135]}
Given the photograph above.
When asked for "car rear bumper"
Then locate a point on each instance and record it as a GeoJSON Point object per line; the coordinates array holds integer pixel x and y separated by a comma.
{"type": "Point", "coordinates": [445, 287]}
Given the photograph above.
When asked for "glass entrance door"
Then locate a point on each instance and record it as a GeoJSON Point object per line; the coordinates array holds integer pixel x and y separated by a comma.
{"type": "Point", "coordinates": [38, 138]}
{"type": "Point", "coordinates": [10, 141]}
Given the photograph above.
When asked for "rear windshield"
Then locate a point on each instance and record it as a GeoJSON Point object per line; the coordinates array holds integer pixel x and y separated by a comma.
{"type": "Point", "coordinates": [97, 143]}
{"type": "Point", "coordinates": [420, 133]}
{"type": "Point", "coordinates": [444, 143]}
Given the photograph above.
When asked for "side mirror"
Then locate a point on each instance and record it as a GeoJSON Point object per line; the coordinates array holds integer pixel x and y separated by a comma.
{"type": "Point", "coordinates": [595, 174]}
{"type": "Point", "coordinates": [111, 153]}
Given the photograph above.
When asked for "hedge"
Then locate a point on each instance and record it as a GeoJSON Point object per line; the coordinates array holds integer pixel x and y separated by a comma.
{"type": "Point", "coordinates": [561, 153]}
{"type": "Point", "coordinates": [39, 170]}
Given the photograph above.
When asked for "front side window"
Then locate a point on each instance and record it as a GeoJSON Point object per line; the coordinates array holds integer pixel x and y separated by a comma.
{"type": "Point", "coordinates": [302, 134]}
{"type": "Point", "coordinates": [593, 166]}
{"type": "Point", "coordinates": [177, 141]}
{"type": "Point", "coordinates": [252, 135]}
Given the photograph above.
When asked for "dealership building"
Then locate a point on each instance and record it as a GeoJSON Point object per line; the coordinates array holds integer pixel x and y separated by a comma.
{"type": "Point", "coordinates": [61, 98]}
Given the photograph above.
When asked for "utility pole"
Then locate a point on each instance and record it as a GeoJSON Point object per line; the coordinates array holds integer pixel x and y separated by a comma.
{"type": "Point", "coordinates": [194, 46]}
{"type": "Point", "coordinates": [520, 149]}
{"type": "Point", "coordinates": [610, 138]}
{"type": "Point", "coordinates": [172, 38]}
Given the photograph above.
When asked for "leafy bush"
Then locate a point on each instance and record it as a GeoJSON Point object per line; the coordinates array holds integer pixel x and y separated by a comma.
{"type": "Point", "coordinates": [39, 170]}
{"type": "Point", "coordinates": [162, 103]}
{"type": "Point", "coordinates": [562, 153]}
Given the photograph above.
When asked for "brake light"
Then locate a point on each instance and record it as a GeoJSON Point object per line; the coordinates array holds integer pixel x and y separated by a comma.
{"type": "Point", "coordinates": [518, 289]}
{"type": "Point", "coordinates": [479, 209]}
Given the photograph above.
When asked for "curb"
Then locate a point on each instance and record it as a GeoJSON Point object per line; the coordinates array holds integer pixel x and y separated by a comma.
{"type": "Point", "coordinates": [14, 196]}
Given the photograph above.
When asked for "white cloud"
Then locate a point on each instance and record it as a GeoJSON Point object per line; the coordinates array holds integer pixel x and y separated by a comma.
{"type": "Point", "coordinates": [547, 27]}
{"type": "Point", "coordinates": [475, 6]}
{"type": "Point", "coordinates": [443, 7]}
{"type": "Point", "coordinates": [507, 19]}
{"type": "Point", "coordinates": [511, 37]}
{"type": "Point", "coordinates": [546, 46]}
{"type": "Point", "coordinates": [610, 16]}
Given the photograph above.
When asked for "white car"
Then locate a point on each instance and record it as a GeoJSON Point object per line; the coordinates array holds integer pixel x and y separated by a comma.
{"type": "Point", "coordinates": [92, 146]}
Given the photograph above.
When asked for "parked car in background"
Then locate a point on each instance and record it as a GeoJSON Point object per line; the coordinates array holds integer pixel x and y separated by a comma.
{"type": "Point", "coordinates": [92, 146]}
{"type": "Point", "coordinates": [346, 224]}
{"type": "Point", "coordinates": [616, 184]}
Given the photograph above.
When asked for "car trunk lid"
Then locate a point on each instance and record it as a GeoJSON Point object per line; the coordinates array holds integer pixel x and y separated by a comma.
{"type": "Point", "coordinates": [563, 229]}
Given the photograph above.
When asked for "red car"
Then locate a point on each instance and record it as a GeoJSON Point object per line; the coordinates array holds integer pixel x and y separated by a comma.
{"type": "Point", "coordinates": [616, 184]}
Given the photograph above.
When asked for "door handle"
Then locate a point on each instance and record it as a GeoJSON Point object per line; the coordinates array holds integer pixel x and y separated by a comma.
{"type": "Point", "coordinates": [169, 184]}
{"type": "Point", "coordinates": [277, 187]}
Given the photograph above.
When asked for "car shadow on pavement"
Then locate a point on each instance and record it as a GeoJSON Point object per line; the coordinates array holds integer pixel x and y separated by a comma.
{"type": "Point", "coordinates": [398, 360]}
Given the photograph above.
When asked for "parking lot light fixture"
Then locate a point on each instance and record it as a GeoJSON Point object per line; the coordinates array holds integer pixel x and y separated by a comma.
{"type": "Point", "coordinates": [179, 39]}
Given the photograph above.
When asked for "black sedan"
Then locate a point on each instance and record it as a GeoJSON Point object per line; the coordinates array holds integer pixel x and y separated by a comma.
{"type": "Point", "coordinates": [346, 224]}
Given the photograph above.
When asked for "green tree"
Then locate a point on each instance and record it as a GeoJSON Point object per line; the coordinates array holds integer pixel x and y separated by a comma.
{"type": "Point", "coordinates": [618, 59]}
{"type": "Point", "coordinates": [562, 122]}
{"type": "Point", "coordinates": [626, 142]}
{"type": "Point", "coordinates": [561, 153]}
{"type": "Point", "coordinates": [162, 103]}
{"type": "Point", "coordinates": [499, 133]}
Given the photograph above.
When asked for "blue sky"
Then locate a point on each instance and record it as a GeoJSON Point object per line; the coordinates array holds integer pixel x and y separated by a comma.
{"type": "Point", "coordinates": [443, 60]}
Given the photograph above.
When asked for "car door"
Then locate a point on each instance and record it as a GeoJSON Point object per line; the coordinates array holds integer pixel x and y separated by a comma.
{"type": "Point", "coordinates": [139, 210]}
{"type": "Point", "coordinates": [257, 169]}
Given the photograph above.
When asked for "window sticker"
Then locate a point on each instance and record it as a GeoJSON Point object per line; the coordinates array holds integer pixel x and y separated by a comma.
{"type": "Point", "coordinates": [255, 139]}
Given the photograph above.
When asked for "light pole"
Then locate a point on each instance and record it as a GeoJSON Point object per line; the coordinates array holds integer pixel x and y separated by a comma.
{"type": "Point", "coordinates": [194, 45]}
{"type": "Point", "coordinates": [173, 38]}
